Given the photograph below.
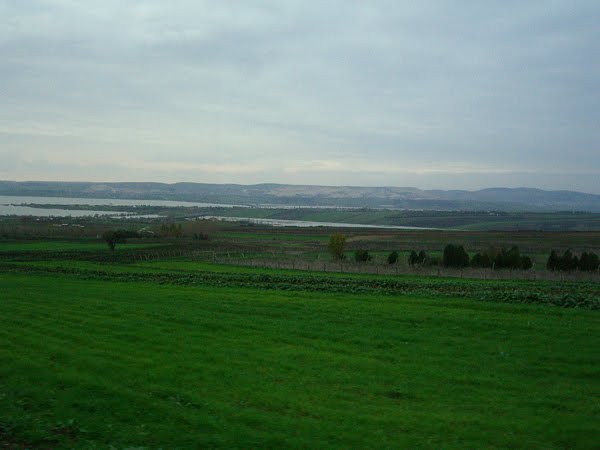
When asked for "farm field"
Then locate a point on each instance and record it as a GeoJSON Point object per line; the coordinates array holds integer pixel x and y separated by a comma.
{"type": "Point", "coordinates": [62, 246]}
{"type": "Point", "coordinates": [156, 347]}
{"type": "Point", "coordinates": [90, 362]}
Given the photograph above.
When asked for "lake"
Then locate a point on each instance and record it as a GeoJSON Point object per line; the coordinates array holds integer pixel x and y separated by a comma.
{"type": "Point", "coordinates": [15, 205]}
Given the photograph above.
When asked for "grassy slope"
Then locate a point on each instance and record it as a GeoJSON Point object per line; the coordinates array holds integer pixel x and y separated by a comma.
{"type": "Point", "coordinates": [101, 362]}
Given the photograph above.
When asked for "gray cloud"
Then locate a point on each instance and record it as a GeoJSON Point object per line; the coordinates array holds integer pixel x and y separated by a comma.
{"type": "Point", "coordinates": [379, 93]}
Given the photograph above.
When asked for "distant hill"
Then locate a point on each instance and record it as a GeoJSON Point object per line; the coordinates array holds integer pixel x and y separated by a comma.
{"type": "Point", "coordinates": [504, 199]}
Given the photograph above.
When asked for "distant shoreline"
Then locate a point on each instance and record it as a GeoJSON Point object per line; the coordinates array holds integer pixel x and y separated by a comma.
{"type": "Point", "coordinates": [306, 196]}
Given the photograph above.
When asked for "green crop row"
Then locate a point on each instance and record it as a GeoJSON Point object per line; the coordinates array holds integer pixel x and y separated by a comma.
{"type": "Point", "coordinates": [587, 295]}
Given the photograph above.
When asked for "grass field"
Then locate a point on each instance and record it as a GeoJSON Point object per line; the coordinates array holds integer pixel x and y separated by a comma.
{"type": "Point", "coordinates": [88, 363]}
{"type": "Point", "coordinates": [101, 350]}
{"type": "Point", "coordinates": [59, 245]}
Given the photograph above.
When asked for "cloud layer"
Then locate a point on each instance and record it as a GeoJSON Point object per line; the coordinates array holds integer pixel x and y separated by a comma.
{"type": "Point", "coordinates": [362, 93]}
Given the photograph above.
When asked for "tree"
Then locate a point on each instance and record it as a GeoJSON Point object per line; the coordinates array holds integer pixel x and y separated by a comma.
{"type": "Point", "coordinates": [526, 263]}
{"type": "Point", "coordinates": [455, 256]}
{"type": "Point", "coordinates": [362, 256]}
{"type": "Point", "coordinates": [433, 261]}
{"type": "Point", "coordinates": [337, 245]}
{"type": "Point", "coordinates": [481, 260]}
{"type": "Point", "coordinates": [413, 258]}
{"type": "Point", "coordinates": [111, 239]}
{"type": "Point", "coordinates": [589, 262]}
{"type": "Point", "coordinates": [568, 262]}
{"type": "Point", "coordinates": [508, 259]}
{"type": "Point", "coordinates": [553, 262]}
{"type": "Point", "coordinates": [417, 259]}
{"type": "Point", "coordinates": [392, 257]}
{"type": "Point", "coordinates": [114, 237]}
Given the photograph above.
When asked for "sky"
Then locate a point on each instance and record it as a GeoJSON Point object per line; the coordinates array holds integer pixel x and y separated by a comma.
{"type": "Point", "coordinates": [430, 94]}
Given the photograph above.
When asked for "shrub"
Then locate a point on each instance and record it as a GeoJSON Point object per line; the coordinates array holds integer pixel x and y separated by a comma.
{"type": "Point", "coordinates": [481, 260]}
{"type": "Point", "coordinates": [110, 237]}
{"type": "Point", "coordinates": [362, 256]}
{"type": "Point", "coordinates": [526, 263]}
{"type": "Point", "coordinates": [413, 258]}
{"type": "Point", "coordinates": [433, 261]}
{"type": "Point", "coordinates": [553, 262]}
{"type": "Point", "coordinates": [392, 257]}
{"type": "Point", "coordinates": [508, 259]}
{"type": "Point", "coordinates": [114, 237]}
{"type": "Point", "coordinates": [568, 262]}
{"type": "Point", "coordinates": [455, 256]}
{"type": "Point", "coordinates": [589, 262]}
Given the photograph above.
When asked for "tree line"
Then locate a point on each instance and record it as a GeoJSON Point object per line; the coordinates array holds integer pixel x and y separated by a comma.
{"type": "Point", "coordinates": [568, 262]}
{"type": "Point", "coordinates": [456, 256]}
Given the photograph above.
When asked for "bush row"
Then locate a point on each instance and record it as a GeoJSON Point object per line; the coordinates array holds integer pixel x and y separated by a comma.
{"type": "Point", "coordinates": [456, 256]}
{"type": "Point", "coordinates": [587, 262]}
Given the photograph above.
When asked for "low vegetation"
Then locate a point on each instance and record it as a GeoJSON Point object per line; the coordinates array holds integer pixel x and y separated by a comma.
{"type": "Point", "coordinates": [392, 257]}
{"type": "Point", "coordinates": [337, 245]}
{"type": "Point", "coordinates": [95, 362]}
{"type": "Point", "coordinates": [114, 237]}
{"type": "Point", "coordinates": [159, 344]}
{"type": "Point", "coordinates": [362, 255]}
{"type": "Point", "coordinates": [456, 256]}
{"type": "Point", "coordinates": [567, 262]}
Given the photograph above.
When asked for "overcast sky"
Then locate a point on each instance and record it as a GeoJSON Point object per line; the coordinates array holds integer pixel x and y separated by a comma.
{"type": "Point", "coordinates": [432, 94]}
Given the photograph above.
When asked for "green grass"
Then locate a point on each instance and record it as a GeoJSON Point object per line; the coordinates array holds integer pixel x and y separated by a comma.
{"type": "Point", "coordinates": [183, 271]}
{"type": "Point", "coordinates": [85, 245]}
{"type": "Point", "coordinates": [465, 220]}
{"type": "Point", "coordinates": [87, 363]}
{"type": "Point", "coordinates": [264, 236]}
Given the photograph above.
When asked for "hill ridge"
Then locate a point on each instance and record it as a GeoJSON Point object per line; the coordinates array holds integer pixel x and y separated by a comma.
{"type": "Point", "coordinates": [492, 198]}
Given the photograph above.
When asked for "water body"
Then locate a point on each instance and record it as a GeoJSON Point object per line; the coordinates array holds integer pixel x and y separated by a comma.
{"type": "Point", "coordinates": [17, 210]}
{"type": "Point", "coordinates": [15, 205]}
{"type": "Point", "coordinates": [21, 200]}
{"type": "Point", "coordinates": [306, 223]}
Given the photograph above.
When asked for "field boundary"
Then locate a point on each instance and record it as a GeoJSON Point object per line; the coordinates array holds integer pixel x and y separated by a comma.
{"type": "Point", "coordinates": [397, 269]}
